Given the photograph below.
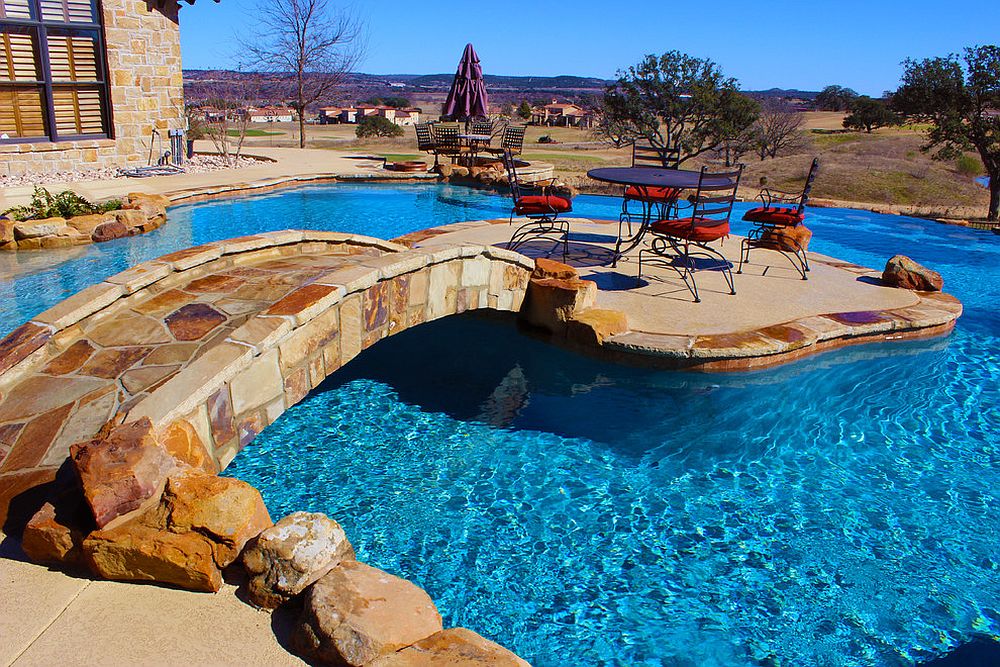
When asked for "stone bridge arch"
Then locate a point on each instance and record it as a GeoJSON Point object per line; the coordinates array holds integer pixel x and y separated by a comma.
{"type": "Point", "coordinates": [213, 343]}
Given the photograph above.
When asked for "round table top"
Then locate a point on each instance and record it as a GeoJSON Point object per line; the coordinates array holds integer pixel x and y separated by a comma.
{"type": "Point", "coordinates": [475, 137]}
{"type": "Point", "coordinates": [655, 178]}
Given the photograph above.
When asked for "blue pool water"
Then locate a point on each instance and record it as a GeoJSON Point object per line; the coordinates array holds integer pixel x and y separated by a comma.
{"type": "Point", "coordinates": [841, 510]}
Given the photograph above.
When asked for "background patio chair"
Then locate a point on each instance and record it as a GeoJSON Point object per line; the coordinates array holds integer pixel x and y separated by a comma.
{"type": "Point", "coordinates": [533, 201]}
{"type": "Point", "coordinates": [653, 157]}
{"type": "Point", "coordinates": [780, 210]}
{"type": "Point", "coordinates": [512, 140]}
{"type": "Point", "coordinates": [448, 142]}
{"type": "Point", "coordinates": [425, 140]}
{"type": "Point", "coordinates": [677, 242]}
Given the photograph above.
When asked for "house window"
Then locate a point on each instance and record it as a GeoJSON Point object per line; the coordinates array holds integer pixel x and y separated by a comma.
{"type": "Point", "coordinates": [52, 81]}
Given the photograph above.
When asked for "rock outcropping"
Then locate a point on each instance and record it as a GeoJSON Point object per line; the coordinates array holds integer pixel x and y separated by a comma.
{"type": "Point", "coordinates": [901, 271]}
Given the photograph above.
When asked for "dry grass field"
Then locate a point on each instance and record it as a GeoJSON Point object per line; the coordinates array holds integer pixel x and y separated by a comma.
{"type": "Point", "coordinates": [885, 167]}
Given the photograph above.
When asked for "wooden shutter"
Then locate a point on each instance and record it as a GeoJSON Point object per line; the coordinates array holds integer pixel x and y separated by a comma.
{"type": "Point", "coordinates": [21, 114]}
{"type": "Point", "coordinates": [78, 110]}
{"type": "Point", "coordinates": [17, 57]}
{"type": "Point", "coordinates": [68, 11]}
{"type": "Point", "coordinates": [15, 9]}
{"type": "Point", "coordinates": [73, 58]}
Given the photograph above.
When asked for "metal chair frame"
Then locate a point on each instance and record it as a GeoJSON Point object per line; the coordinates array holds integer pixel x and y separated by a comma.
{"type": "Point", "coordinates": [712, 203]}
{"type": "Point", "coordinates": [425, 140]}
{"type": "Point", "coordinates": [447, 141]}
{"type": "Point", "coordinates": [647, 155]}
{"type": "Point", "coordinates": [540, 225]}
{"type": "Point", "coordinates": [512, 140]}
{"type": "Point", "coordinates": [755, 237]}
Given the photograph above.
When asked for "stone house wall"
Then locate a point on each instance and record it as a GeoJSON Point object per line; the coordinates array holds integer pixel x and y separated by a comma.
{"type": "Point", "coordinates": [146, 90]}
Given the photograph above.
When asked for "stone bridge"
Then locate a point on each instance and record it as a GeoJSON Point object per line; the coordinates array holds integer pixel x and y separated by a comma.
{"type": "Point", "coordinates": [211, 344]}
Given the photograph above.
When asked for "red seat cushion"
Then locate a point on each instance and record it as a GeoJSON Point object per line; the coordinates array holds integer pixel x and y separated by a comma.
{"type": "Point", "coordinates": [703, 229]}
{"type": "Point", "coordinates": [535, 204]}
{"type": "Point", "coordinates": [776, 216]}
{"type": "Point", "coordinates": [654, 195]}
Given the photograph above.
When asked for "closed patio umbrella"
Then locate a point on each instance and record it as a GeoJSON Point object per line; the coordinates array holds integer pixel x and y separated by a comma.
{"type": "Point", "coordinates": [467, 97]}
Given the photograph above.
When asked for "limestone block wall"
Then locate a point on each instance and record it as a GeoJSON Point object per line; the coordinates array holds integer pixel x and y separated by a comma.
{"type": "Point", "coordinates": [146, 91]}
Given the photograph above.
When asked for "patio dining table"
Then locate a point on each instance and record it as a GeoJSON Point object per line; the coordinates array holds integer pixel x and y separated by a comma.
{"type": "Point", "coordinates": [475, 142]}
{"type": "Point", "coordinates": [643, 179]}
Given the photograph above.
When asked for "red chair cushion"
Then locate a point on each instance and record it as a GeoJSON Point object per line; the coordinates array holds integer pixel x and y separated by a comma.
{"type": "Point", "coordinates": [703, 229]}
{"type": "Point", "coordinates": [776, 216]}
{"type": "Point", "coordinates": [535, 204]}
{"type": "Point", "coordinates": [654, 195]}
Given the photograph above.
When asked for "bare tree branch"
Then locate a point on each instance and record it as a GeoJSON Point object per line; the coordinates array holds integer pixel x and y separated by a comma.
{"type": "Point", "coordinates": [308, 46]}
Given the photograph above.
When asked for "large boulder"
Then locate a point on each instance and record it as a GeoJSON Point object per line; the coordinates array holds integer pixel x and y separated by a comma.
{"type": "Point", "coordinates": [357, 613]}
{"type": "Point", "coordinates": [552, 302]}
{"type": "Point", "coordinates": [787, 238]}
{"type": "Point", "coordinates": [227, 511]}
{"type": "Point", "coordinates": [109, 231]}
{"type": "Point", "coordinates": [594, 325]}
{"type": "Point", "coordinates": [54, 535]}
{"type": "Point", "coordinates": [549, 268]}
{"type": "Point", "coordinates": [123, 472]}
{"type": "Point", "coordinates": [134, 551]}
{"type": "Point", "coordinates": [901, 271]}
{"type": "Point", "coordinates": [6, 231]}
{"type": "Point", "coordinates": [455, 647]}
{"type": "Point", "coordinates": [30, 229]}
{"type": "Point", "coordinates": [292, 554]}
{"type": "Point", "coordinates": [199, 527]}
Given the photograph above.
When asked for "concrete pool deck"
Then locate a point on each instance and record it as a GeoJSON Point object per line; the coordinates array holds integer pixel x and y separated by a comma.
{"type": "Point", "coordinates": [281, 167]}
{"type": "Point", "coordinates": [774, 317]}
{"type": "Point", "coordinates": [48, 617]}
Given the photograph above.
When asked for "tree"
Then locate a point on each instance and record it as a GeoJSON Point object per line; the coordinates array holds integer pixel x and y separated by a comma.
{"type": "Point", "coordinates": [507, 110]}
{"type": "Point", "coordinates": [378, 126]}
{"type": "Point", "coordinates": [777, 130]}
{"type": "Point", "coordinates": [524, 111]}
{"type": "Point", "coordinates": [308, 46]}
{"type": "Point", "coordinates": [675, 100]}
{"type": "Point", "coordinates": [959, 97]}
{"type": "Point", "coordinates": [868, 114]}
{"type": "Point", "coordinates": [394, 102]}
{"type": "Point", "coordinates": [835, 98]}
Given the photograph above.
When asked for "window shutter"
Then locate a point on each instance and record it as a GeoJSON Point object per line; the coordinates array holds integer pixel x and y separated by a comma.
{"type": "Point", "coordinates": [15, 9]}
{"type": "Point", "coordinates": [73, 58]}
{"type": "Point", "coordinates": [21, 113]}
{"type": "Point", "coordinates": [78, 110]}
{"type": "Point", "coordinates": [68, 11]}
{"type": "Point", "coordinates": [17, 58]}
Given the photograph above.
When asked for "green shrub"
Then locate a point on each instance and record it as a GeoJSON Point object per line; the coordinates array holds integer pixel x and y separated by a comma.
{"type": "Point", "coordinates": [969, 165]}
{"type": "Point", "coordinates": [66, 204]}
{"type": "Point", "coordinates": [378, 126]}
{"type": "Point", "coordinates": [545, 139]}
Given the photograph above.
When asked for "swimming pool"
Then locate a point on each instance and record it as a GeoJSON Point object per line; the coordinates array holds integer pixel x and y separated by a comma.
{"type": "Point", "coordinates": [838, 510]}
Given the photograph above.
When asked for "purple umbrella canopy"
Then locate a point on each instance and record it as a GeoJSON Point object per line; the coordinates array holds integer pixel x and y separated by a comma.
{"type": "Point", "coordinates": [467, 97]}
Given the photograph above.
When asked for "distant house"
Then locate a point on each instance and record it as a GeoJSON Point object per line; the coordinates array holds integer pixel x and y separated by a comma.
{"type": "Point", "coordinates": [330, 115]}
{"type": "Point", "coordinates": [563, 114]}
{"type": "Point", "coordinates": [210, 114]}
{"type": "Point", "coordinates": [404, 117]}
{"type": "Point", "coordinates": [270, 115]}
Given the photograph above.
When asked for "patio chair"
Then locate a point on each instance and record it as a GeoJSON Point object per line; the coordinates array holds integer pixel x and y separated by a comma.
{"type": "Point", "coordinates": [447, 141]}
{"type": "Point", "coordinates": [512, 140]}
{"type": "Point", "coordinates": [676, 242]}
{"type": "Point", "coordinates": [780, 211]}
{"type": "Point", "coordinates": [653, 157]}
{"type": "Point", "coordinates": [425, 140]}
{"type": "Point", "coordinates": [533, 201]}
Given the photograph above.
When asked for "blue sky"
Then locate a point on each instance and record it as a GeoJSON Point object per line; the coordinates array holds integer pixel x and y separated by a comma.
{"type": "Point", "coordinates": [764, 44]}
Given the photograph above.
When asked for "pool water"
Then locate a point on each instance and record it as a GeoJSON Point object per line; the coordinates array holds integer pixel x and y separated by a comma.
{"type": "Point", "coordinates": [840, 510]}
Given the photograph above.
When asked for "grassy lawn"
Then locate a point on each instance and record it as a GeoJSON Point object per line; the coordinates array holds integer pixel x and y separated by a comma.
{"type": "Point", "coordinates": [252, 132]}
{"type": "Point", "coordinates": [402, 157]}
